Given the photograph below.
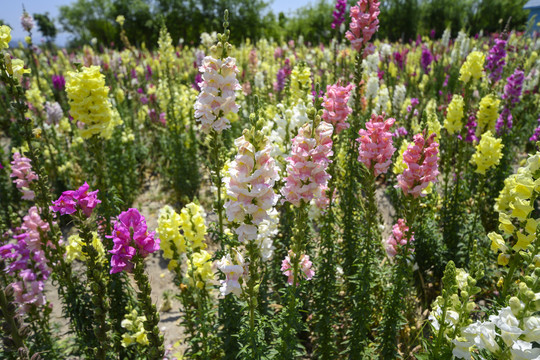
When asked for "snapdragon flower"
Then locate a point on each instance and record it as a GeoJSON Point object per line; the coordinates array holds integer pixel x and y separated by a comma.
{"type": "Point", "coordinates": [307, 165]}
{"type": "Point", "coordinates": [421, 160]}
{"type": "Point", "coordinates": [305, 267]}
{"type": "Point", "coordinates": [453, 122]}
{"type": "Point", "coordinates": [376, 148]}
{"type": "Point", "coordinates": [21, 169]}
{"type": "Point", "coordinates": [217, 98]}
{"type": "Point", "coordinates": [72, 200]}
{"type": "Point", "coordinates": [364, 23]}
{"type": "Point", "coordinates": [130, 236]}
{"type": "Point", "coordinates": [336, 108]}
{"type": "Point", "coordinates": [399, 238]}
{"type": "Point", "coordinates": [488, 153]}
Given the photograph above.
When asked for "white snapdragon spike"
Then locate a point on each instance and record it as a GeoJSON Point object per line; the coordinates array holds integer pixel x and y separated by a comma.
{"type": "Point", "coordinates": [286, 123]}
{"type": "Point", "coordinates": [234, 271]}
{"type": "Point", "coordinates": [445, 40]}
{"type": "Point", "coordinates": [218, 93]}
{"type": "Point", "coordinates": [250, 188]}
{"type": "Point", "coordinates": [523, 350]}
{"type": "Point", "coordinates": [372, 87]}
{"type": "Point", "coordinates": [400, 92]}
{"type": "Point", "coordinates": [381, 105]}
{"type": "Point", "coordinates": [452, 318]}
{"type": "Point", "coordinates": [268, 229]}
{"type": "Point", "coordinates": [371, 64]}
{"type": "Point", "coordinates": [386, 50]}
{"type": "Point", "coordinates": [508, 324]}
{"type": "Point", "coordinates": [482, 335]}
{"type": "Point", "coordinates": [531, 327]}
{"type": "Point", "coordinates": [461, 278]}
{"type": "Point", "coordinates": [259, 80]}
{"type": "Point", "coordinates": [462, 348]}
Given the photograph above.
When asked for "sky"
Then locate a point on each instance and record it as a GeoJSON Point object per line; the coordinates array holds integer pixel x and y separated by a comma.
{"type": "Point", "coordinates": [12, 12]}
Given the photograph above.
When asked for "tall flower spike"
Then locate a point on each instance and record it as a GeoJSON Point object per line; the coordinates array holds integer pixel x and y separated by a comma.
{"type": "Point", "coordinates": [339, 14]}
{"type": "Point", "coordinates": [398, 238]}
{"type": "Point", "coordinates": [421, 159]}
{"type": "Point", "coordinates": [364, 23]}
{"type": "Point", "coordinates": [376, 148]}
{"type": "Point", "coordinates": [72, 200]}
{"type": "Point", "coordinates": [305, 267]}
{"type": "Point", "coordinates": [89, 100]}
{"type": "Point", "coordinates": [496, 60]}
{"type": "Point", "coordinates": [130, 236]}
{"type": "Point", "coordinates": [21, 169]}
{"type": "Point", "coordinates": [218, 93]}
{"type": "Point", "coordinates": [488, 153]}
{"type": "Point", "coordinates": [335, 106]}
{"type": "Point", "coordinates": [512, 92]}
{"type": "Point", "coordinates": [250, 186]}
{"type": "Point", "coordinates": [307, 165]}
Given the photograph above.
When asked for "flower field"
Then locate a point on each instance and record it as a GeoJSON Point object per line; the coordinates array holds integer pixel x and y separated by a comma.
{"type": "Point", "coordinates": [362, 199]}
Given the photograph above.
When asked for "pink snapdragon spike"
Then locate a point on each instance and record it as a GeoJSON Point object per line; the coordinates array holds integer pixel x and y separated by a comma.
{"type": "Point", "coordinates": [364, 23]}
{"type": "Point", "coordinates": [21, 169]}
{"type": "Point", "coordinates": [307, 165]}
{"type": "Point", "coordinates": [218, 93]}
{"type": "Point", "coordinates": [72, 200]}
{"type": "Point", "coordinates": [399, 238]}
{"type": "Point", "coordinates": [26, 262]}
{"type": "Point", "coordinates": [376, 147]}
{"type": "Point", "coordinates": [421, 158]}
{"type": "Point", "coordinates": [250, 187]}
{"type": "Point", "coordinates": [335, 106]}
{"type": "Point", "coordinates": [305, 267]}
{"type": "Point", "coordinates": [130, 236]}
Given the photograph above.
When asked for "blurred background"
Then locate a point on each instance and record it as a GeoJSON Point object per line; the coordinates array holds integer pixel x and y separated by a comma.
{"type": "Point", "coordinates": [75, 22]}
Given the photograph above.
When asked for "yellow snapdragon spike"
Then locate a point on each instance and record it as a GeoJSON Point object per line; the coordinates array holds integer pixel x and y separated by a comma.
{"type": "Point", "coordinates": [472, 67]}
{"type": "Point", "coordinates": [88, 98]}
{"type": "Point", "coordinates": [487, 114]}
{"type": "Point", "coordinates": [5, 37]}
{"type": "Point", "coordinates": [453, 122]}
{"type": "Point", "coordinates": [169, 223]}
{"type": "Point", "coordinates": [488, 153]}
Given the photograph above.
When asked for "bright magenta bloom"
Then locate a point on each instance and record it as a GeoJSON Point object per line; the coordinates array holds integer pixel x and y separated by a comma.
{"type": "Point", "coordinates": [364, 23]}
{"type": "Point", "coordinates": [130, 229]}
{"type": "Point", "coordinates": [21, 169]}
{"type": "Point", "coordinates": [71, 200]}
{"type": "Point", "coordinates": [421, 158]}
{"type": "Point", "coordinates": [335, 106]}
{"type": "Point", "coordinates": [306, 169]}
{"type": "Point", "coordinates": [304, 266]}
{"type": "Point", "coordinates": [376, 148]}
{"type": "Point", "coordinates": [398, 238]}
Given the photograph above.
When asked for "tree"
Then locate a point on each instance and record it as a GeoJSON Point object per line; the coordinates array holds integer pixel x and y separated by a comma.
{"type": "Point", "coordinates": [46, 26]}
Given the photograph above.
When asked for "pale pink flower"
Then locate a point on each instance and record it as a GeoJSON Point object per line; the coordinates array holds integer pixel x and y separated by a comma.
{"type": "Point", "coordinates": [218, 93]}
{"type": "Point", "coordinates": [304, 267]}
{"type": "Point", "coordinates": [398, 238]}
{"type": "Point", "coordinates": [376, 147]}
{"type": "Point", "coordinates": [250, 187]}
{"type": "Point", "coordinates": [21, 169]}
{"type": "Point", "coordinates": [364, 23]}
{"type": "Point", "coordinates": [307, 165]}
{"type": "Point", "coordinates": [335, 106]}
{"type": "Point", "coordinates": [234, 271]}
{"type": "Point", "coordinates": [421, 158]}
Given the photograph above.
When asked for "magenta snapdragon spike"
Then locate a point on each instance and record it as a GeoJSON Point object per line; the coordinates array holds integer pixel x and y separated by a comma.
{"type": "Point", "coordinates": [59, 82]}
{"type": "Point", "coordinates": [335, 106]}
{"type": "Point", "coordinates": [131, 236]}
{"type": "Point", "coordinates": [364, 23]}
{"type": "Point", "coordinates": [339, 14]}
{"type": "Point", "coordinates": [26, 262]}
{"type": "Point", "coordinates": [376, 147]}
{"type": "Point", "coordinates": [426, 59]}
{"type": "Point", "coordinates": [21, 169]}
{"type": "Point", "coordinates": [399, 238]}
{"type": "Point", "coordinates": [72, 200]}
{"type": "Point", "coordinates": [305, 267]}
{"type": "Point", "coordinates": [512, 93]}
{"type": "Point", "coordinates": [421, 158]}
{"type": "Point", "coordinates": [307, 165]}
{"type": "Point", "coordinates": [536, 136]}
{"type": "Point", "coordinates": [495, 60]}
